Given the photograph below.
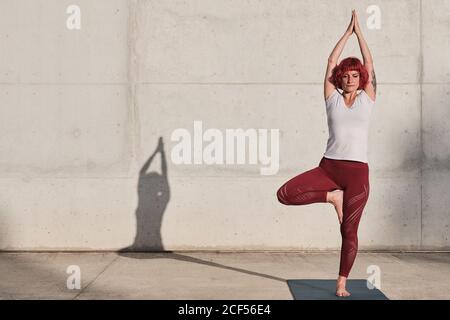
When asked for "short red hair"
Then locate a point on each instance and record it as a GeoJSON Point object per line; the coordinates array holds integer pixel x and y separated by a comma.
{"type": "Point", "coordinates": [349, 64]}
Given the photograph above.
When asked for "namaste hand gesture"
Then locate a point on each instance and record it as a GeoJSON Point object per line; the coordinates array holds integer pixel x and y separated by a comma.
{"type": "Point", "coordinates": [354, 25]}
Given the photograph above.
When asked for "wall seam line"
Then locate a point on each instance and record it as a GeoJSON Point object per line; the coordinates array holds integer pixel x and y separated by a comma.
{"type": "Point", "coordinates": [421, 121]}
{"type": "Point", "coordinates": [131, 82]}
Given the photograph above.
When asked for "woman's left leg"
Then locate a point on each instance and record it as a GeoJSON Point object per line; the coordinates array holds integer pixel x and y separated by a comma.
{"type": "Point", "coordinates": [356, 195]}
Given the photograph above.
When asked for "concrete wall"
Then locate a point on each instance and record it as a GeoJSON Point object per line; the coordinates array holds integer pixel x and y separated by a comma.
{"type": "Point", "coordinates": [87, 118]}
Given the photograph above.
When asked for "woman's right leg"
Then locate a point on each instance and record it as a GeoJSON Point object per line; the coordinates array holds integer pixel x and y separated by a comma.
{"type": "Point", "coordinates": [308, 187]}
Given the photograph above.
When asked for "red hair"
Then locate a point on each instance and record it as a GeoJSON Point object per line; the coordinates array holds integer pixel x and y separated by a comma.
{"type": "Point", "coordinates": [349, 64]}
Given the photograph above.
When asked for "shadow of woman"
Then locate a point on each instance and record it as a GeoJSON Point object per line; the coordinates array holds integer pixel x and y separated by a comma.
{"type": "Point", "coordinates": [153, 196]}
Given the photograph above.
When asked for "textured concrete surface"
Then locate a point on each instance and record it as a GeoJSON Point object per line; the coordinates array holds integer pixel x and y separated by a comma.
{"type": "Point", "coordinates": [212, 275]}
{"type": "Point", "coordinates": [82, 112]}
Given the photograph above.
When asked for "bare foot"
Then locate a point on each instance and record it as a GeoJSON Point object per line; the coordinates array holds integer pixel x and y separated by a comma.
{"type": "Point", "coordinates": [340, 287]}
{"type": "Point", "coordinates": [336, 198]}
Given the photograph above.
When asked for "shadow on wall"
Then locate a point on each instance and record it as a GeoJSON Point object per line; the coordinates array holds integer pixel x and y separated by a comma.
{"type": "Point", "coordinates": [153, 196]}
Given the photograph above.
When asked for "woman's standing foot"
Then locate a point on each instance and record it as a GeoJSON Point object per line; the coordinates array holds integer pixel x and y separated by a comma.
{"type": "Point", "coordinates": [340, 287]}
{"type": "Point", "coordinates": [336, 198]}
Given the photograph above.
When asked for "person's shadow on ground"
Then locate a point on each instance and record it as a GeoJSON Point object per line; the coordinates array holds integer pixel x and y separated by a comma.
{"type": "Point", "coordinates": [153, 196]}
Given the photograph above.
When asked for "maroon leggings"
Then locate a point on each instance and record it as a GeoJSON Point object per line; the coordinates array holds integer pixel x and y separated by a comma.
{"type": "Point", "coordinates": [312, 186]}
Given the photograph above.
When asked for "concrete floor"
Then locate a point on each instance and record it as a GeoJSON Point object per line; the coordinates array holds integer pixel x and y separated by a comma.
{"type": "Point", "coordinates": [212, 275]}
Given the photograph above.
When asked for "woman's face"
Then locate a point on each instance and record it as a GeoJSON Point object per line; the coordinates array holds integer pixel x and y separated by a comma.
{"type": "Point", "coordinates": [350, 81]}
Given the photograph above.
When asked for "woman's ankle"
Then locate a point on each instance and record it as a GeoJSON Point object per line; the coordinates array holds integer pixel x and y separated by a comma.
{"type": "Point", "coordinates": [330, 198]}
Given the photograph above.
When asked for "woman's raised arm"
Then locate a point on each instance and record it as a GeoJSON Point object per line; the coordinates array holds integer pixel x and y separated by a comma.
{"type": "Point", "coordinates": [371, 87]}
{"type": "Point", "coordinates": [334, 56]}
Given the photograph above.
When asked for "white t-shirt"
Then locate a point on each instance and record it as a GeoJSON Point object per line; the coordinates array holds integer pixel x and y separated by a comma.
{"type": "Point", "coordinates": [348, 127]}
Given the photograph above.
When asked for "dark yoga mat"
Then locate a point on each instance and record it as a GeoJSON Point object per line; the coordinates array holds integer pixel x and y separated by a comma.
{"type": "Point", "coordinates": [316, 289]}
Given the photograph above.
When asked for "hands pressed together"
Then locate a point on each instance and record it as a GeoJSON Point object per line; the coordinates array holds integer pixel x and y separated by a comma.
{"type": "Point", "coordinates": [354, 25]}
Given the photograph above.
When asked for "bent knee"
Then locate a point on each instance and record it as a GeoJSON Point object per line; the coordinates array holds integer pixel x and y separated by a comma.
{"type": "Point", "coordinates": [282, 196]}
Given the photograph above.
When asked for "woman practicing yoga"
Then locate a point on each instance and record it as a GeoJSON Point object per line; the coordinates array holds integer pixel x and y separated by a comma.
{"type": "Point", "coordinates": [342, 176]}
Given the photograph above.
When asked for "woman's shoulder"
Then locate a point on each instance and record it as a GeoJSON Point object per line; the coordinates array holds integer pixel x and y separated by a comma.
{"type": "Point", "coordinates": [332, 97]}
{"type": "Point", "coordinates": [365, 97]}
